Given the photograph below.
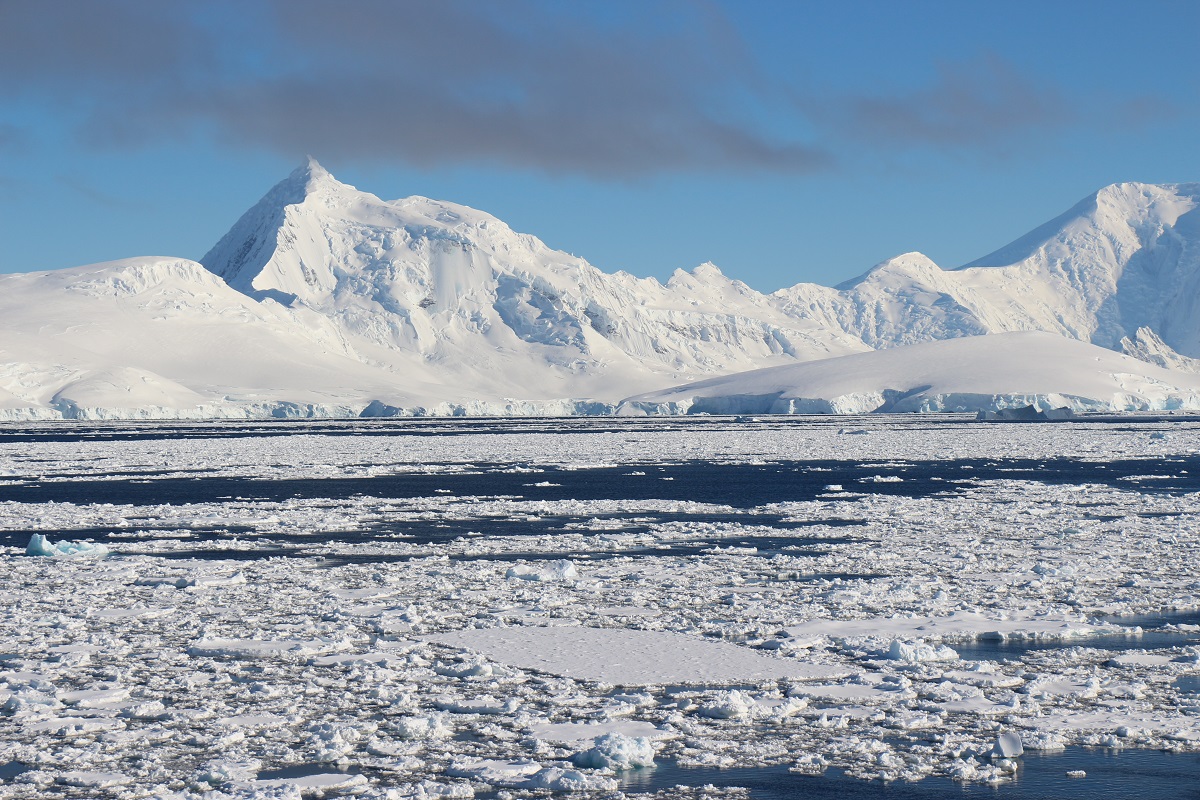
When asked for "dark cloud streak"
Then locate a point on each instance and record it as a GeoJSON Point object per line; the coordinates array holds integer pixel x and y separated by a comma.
{"type": "Point", "coordinates": [425, 83]}
{"type": "Point", "coordinates": [978, 105]}
{"type": "Point", "coordinates": [82, 45]}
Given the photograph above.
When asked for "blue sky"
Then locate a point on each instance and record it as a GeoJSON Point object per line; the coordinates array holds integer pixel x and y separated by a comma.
{"type": "Point", "coordinates": [784, 141]}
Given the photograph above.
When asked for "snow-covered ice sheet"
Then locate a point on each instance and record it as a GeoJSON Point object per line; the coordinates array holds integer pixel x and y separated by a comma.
{"type": "Point", "coordinates": [966, 374]}
{"type": "Point", "coordinates": [326, 301]}
{"type": "Point", "coordinates": [628, 657]}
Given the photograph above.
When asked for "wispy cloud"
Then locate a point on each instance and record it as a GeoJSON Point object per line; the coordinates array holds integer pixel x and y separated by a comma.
{"type": "Point", "coordinates": [975, 105]}
{"type": "Point", "coordinates": [93, 194]}
{"type": "Point", "coordinates": [13, 138]}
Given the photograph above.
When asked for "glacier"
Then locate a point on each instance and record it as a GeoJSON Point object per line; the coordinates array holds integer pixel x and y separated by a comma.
{"type": "Point", "coordinates": [967, 374]}
{"type": "Point", "coordinates": [326, 301]}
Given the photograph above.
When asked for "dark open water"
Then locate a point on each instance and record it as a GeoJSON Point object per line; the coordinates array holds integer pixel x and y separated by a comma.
{"type": "Point", "coordinates": [1111, 775]}
{"type": "Point", "coordinates": [746, 488]}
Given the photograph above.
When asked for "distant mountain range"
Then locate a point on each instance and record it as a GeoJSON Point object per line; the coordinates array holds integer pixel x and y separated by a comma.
{"type": "Point", "coordinates": [323, 300]}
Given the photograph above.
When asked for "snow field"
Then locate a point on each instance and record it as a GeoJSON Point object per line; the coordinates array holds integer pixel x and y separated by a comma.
{"type": "Point", "coordinates": [383, 666]}
{"type": "Point", "coordinates": [966, 374]}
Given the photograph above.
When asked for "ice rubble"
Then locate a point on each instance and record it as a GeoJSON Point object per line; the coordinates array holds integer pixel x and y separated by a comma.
{"type": "Point", "coordinates": [560, 570]}
{"type": "Point", "coordinates": [435, 675]}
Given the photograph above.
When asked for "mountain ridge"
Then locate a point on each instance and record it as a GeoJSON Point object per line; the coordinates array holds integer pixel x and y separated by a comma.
{"type": "Point", "coordinates": [426, 306]}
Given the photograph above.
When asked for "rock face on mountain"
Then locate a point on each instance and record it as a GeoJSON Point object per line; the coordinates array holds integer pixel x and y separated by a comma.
{"type": "Point", "coordinates": [325, 300]}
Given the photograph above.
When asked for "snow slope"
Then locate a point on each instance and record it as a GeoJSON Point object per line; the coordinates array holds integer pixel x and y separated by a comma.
{"type": "Point", "coordinates": [964, 374]}
{"type": "Point", "coordinates": [481, 303]}
{"type": "Point", "coordinates": [160, 337]}
{"type": "Point", "coordinates": [326, 300]}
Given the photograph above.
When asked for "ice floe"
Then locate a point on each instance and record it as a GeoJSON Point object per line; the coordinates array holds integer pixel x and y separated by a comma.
{"type": "Point", "coordinates": [629, 657]}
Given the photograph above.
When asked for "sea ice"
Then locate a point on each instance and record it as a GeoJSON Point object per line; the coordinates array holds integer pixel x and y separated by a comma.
{"type": "Point", "coordinates": [560, 570]}
{"type": "Point", "coordinates": [917, 652]}
{"type": "Point", "coordinates": [628, 657]}
{"type": "Point", "coordinates": [576, 733]}
{"type": "Point", "coordinates": [260, 648]}
{"type": "Point", "coordinates": [39, 545]}
{"type": "Point", "coordinates": [1008, 745]}
{"type": "Point", "coordinates": [727, 705]}
{"type": "Point", "coordinates": [617, 751]}
{"type": "Point", "coordinates": [390, 641]}
{"type": "Point", "coordinates": [558, 779]}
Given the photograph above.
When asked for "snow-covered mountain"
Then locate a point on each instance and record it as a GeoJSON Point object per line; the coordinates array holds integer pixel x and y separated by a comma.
{"type": "Point", "coordinates": [323, 299]}
{"type": "Point", "coordinates": [1125, 258]}
{"type": "Point", "coordinates": [965, 374]}
{"type": "Point", "coordinates": [159, 337]}
{"type": "Point", "coordinates": [478, 303]}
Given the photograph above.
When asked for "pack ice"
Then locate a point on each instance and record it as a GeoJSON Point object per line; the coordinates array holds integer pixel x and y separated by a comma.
{"type": "Point", "coordinates": [285, 616]}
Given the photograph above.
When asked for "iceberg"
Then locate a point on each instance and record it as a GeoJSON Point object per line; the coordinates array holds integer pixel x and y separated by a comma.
{"type": "Point", "coordinates": [39, 545]}
{"type": "Point", "coordinates": [618, 752]}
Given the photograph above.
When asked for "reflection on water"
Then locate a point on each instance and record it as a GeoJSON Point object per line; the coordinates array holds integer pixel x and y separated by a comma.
{"type": "Point", "coordinates": [1159, 620]}
{"type": "Point", "coordinates": [1110, 774]}
{"type": "Point", "coordinates": [998, 650]}
{"type": "Point", "coordinates": [1159, 631]}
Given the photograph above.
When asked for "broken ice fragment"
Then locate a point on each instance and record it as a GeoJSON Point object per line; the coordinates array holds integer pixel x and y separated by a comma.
{"type": "Point", "coordinates": [561, 570]}
{"type": "Point", "coordinates": [918, 651]}
{"type": "Point", "coordinates": [617, 751]}
{"type": "Point", "coordinates": [39, 545]}
{"type": "Point", "coordinates": [1008, 745]}
{"type": "Point", "coordinates": [727, 705]}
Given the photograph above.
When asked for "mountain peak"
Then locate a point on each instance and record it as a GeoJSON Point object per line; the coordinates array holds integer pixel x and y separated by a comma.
{"type": "Point", "coordinates": [912, 260]}
{"type": "Point", "coordinates": [311, 178]}
{"type": "Point", "coordinates": [902, 267]}
{"type": "Point", "coordinates": [246, 250]}
{"type": "Point", "coordinates": [313, 167]}
{"type": "Point", "coordinates": [1134, 203]}
{"type": "Point", "coordinates": [1121, 212]}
